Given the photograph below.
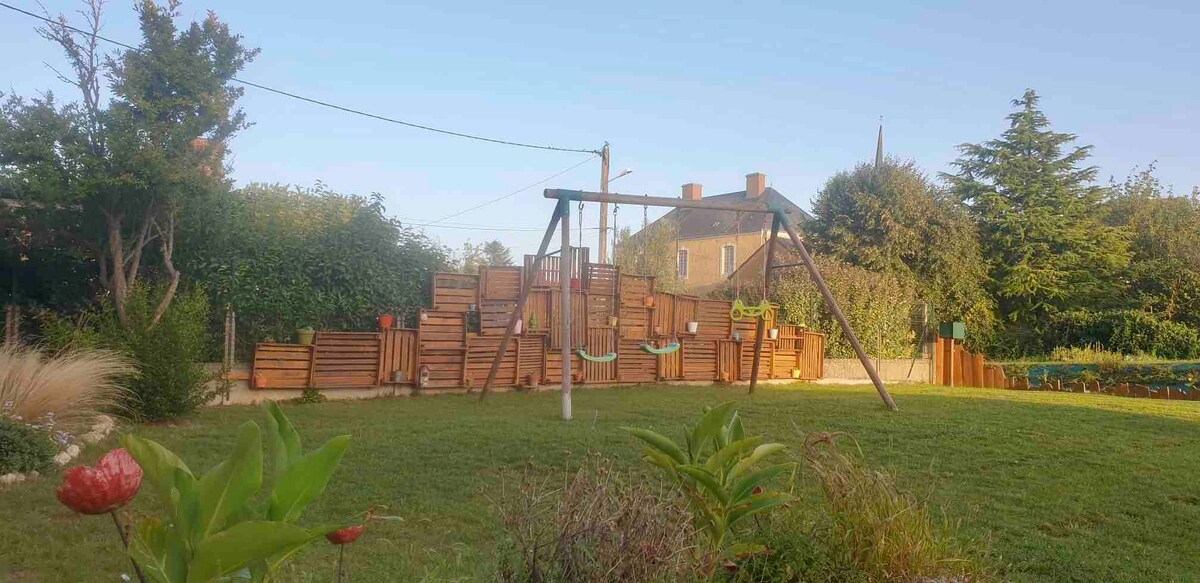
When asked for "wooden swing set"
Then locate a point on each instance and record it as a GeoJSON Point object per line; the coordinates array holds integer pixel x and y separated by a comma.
{"type": "Point", "coordinates": [561, 217]}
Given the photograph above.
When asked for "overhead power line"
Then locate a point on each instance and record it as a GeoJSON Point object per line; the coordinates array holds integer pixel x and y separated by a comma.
{"type": "Point", "coordinates": [350, 110]}
{"type": "Point", "coordinates": [513, 193]}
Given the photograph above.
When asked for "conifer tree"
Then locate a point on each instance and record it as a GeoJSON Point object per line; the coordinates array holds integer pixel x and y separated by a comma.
{"type": "Point", "coordinates": [1040, 224]}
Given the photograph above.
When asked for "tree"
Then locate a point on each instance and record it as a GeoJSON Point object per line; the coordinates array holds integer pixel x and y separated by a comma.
{"type": "Point", "coordinates": [650, 251]}
{"type": "Point", "coordinates": [889, 217]}
{"type": "Point", "coordinates": [1164, 276]}
{"type": "Point", "coordinates": [495, 253]}
{"type": "Point", "coordinates": [129, 164]}
{"type": "Point", "coordinates": [1039, 218]}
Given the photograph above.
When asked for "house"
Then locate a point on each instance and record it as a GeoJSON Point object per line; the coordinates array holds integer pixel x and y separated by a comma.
{"type": "Point", "coordinates": [711, 244]}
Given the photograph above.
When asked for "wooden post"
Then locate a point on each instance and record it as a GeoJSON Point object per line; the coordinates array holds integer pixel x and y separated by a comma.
{"type": "Point", "coordinates": [527, 282]}
{"type": "Point", "coordinates": [837, 311]}
{"type": "Point", "coordinates": [565, 258]}
{"type": "Point", "coordinates": [604, 160]}
{"type": "Point", "coordinates": [951, 357]}
{"type": "Point", "coordinates": [759, 328]}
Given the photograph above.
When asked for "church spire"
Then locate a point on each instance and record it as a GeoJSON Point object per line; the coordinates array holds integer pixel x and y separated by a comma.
{"type": "Point", "coordinates": [879, 146]}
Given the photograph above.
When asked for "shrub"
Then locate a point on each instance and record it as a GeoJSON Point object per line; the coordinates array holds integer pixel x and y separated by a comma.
{"type": "Point", "coordinates": [73, 386]}
{"type": "Point", "coordinates": [592, 525]}
{"type": "Point", "coordinates": [1126, 332]}
{"type": "Point", "coordinates": [880, 532]}
{"type": "Point", "coordinates": [23, 448]}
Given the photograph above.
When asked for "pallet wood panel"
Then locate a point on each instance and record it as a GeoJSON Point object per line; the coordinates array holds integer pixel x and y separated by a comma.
{"type": "Point", "coordinates": [600, 342]}
{"type": "Point", "coordinates": [537, 311]}
{"type": "Point", "coordinates": [670, 366]}
{"type": "Point", "coordinates": [500, 283]}
{"type": "Point", "coordinates": [478, 361]}
{"type": "Point", "coordinates": [634, 289]}
{"type": "Point", "coordinates": [494, 315]}
{"type": "Point", "coordinates": [713, 316]}
{"type": "Point", "coordinates": [531, 358]}
{"type": "Point", "coordinates": [810, 355]}
{"type": "Point", "coordinates": [765, 360]}
{"type": "Point", "coordinates": [637, 365]}
{"type": "Point", "coordinates": [729, 360]}
{"type": "Point", "coordinates": [699, 360]}
{"type": "Point", "coordinates": [401, 351]}
{"type": "Point", "coordinates": [455, 292]}
{"type": "Point", "coordinates": [578, 319]}
{"type": "Point", "coordinates": [554, 367]}
{"type": "Point", "coordinates": [686, 308]}
{"type": "Point", "coordinates": [662, 315]}
{"type": "Point", "coordinates": [280, 366]}
{"type": "Point", "coordinates": [346, 360]}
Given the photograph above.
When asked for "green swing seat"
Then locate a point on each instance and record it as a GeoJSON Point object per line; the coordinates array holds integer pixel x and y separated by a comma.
{"type": "Point", "coordinates": [606, 358]}
{"type": "Point", "coordinates": [668, 349]}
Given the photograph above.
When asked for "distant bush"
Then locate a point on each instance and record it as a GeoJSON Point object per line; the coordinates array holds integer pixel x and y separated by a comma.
{"type": "Point", "coordinates": [23, 448]}
{"type": "Point", "coordinates": [1124, 331]}
{"type": "Point", "coordinates": [171, 380]}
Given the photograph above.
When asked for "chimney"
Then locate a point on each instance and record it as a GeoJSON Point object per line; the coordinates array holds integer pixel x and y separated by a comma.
{"type": "Point", "coordinates": [692, 191]}
{"type": "Point", "coordinates": [756, 184]}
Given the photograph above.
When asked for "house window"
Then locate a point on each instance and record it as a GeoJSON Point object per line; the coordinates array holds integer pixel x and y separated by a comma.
{"type": "Point", "coordinates": [728, 260]}
{"type": "Point", "coordinates": [681, 262]}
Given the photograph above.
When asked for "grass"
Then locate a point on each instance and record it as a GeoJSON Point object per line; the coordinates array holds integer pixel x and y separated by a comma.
{"type": "Point", "coordinates": [73, 386]}
{"type": "Point", "coordinates": [1062, 487]}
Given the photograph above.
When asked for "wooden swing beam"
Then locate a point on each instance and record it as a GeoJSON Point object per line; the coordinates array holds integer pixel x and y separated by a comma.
{"type": "Point", "coordinates": [562, 212]}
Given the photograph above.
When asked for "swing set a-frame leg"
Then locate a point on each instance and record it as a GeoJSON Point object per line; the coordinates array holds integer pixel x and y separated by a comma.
{"type": "Point", "coordinates": [760, 327]}
{"type": "Point", "coordinates": [837, 311]}
{"type": "Point", "coordinates": [519, 311]}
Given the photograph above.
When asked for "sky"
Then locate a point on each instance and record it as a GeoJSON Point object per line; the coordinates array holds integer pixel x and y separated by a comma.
{"type": "Point", "coordinates": [683, 91]}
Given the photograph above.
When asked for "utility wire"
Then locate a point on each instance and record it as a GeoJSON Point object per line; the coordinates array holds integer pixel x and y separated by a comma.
{"type": "Point", "coordinates": [53, 22]}
{"type": "Point", "coordinates": [513, 193]}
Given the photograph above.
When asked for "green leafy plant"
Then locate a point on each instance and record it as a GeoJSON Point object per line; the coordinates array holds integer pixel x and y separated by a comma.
{"type": "Point", "coordinates": [310, 396]}
{"type": "Point", "coordinates": [715, 470]}
{"type": "Point", "coordinates": [23, 448]}
{"type": "Point", "coordinates": [210, 527]}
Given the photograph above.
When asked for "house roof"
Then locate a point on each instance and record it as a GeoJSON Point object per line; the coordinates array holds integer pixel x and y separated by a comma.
{"type": "Point", "coordinates": [704, 223]}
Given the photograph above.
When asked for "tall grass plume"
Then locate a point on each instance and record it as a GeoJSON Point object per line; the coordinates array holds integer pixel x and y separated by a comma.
{"type": "Point", "coordinates": [72, 387]}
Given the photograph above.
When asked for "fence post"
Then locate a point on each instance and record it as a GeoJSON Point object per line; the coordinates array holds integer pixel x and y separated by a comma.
{"type": "Point", "coordinates": [12, 324]}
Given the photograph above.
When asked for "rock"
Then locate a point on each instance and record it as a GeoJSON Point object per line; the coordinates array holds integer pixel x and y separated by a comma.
{"type": "Point", "coordinates": [73, 450]}
{"type": "Point", "coordinates": [7, 479]}
{"type": "Point", "coordinates": [62, 458]}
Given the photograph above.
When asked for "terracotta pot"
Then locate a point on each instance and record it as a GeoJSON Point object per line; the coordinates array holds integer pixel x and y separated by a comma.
{"type": "Point", "coordinates": [576, 285]}
{"type": "Point", "coordinates": [386, 321]}
{"type": "Point", "coordinates": [649, 301]}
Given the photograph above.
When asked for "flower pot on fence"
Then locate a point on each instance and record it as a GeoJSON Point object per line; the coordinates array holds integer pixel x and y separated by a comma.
{"type": "Point", "coordinates": [773, 333]}
{"type": "Point", "coordinates": [305, 336]}
{"type": "Point", "coordinates": [612, 321]}
{"type": "Point", "coordinates": [576, 284]}
{"type": "Point", "coordinates": [692, 327]}
{"type": "Point", "coordinates": [386, 321]}
{"type": "Point", "coordinates": [649, 301]}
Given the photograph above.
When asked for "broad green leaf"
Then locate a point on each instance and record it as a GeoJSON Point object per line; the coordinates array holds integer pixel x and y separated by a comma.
{"type": "Point", "coordinates": [756, 456]}
{"type": "Point", "coordinates": [242, 544]}
{"type": "Point", "coordinates": [660, 459]}
{"type": "Point", "coordinates": [226, 488]}
{"type": "Point", "coordinates": [736, 432]}
{"type": "Point", "coordinates": [716, 463]}
{"type": "Point", "coordinates": [158, 465]}
{"type": "Point", "coordinates": [149, 550]}
{"type": "Point", "coordinates": [306, 479]}
{"type": "Point", "coordinates": [706, 480]}
{"type": "Point", "coordinates": [741, 550]}
{"type": "Point", "coordinates": [284, 440]}
{"type": "Point", "coordinates": [709, 426]}
{"type": "Point", "coordinates": [743, 487]}
{"type": "Point", "coordinates": [756, 504]}
{"type": "Point", "coordinates": [658, 442]}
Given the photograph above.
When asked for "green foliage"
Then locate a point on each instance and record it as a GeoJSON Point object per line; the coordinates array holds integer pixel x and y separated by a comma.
{"type": "Point", "coordinates": [491, 253]}
{"type": "Point", "coordinates": [891, 218]}
{"type": "Point", "coordinates": [1039, 221]}
{"type": "Point", "coordinates": [23, 448]}
{"type": "Point", "coordinates": [1124, 331]}
{"type": "Point", "coordinates": [209, 527]}
{"type": "Point", "coordinates": [286, 258]}
{"type": "Point", "coordinates": [310, 396]}
{"type": "Point", "coordinates": [715, 470]}
{"type": "Point", "coordinates": [876, 304]}
{"type": "Point", "coordinates": [650, 251]}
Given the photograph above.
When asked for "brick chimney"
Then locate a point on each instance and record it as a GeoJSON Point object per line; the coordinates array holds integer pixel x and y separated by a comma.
{"type": "Point", "coordinates": [692, 191]}
{"type": "Point", "coordinates": [756, 184]}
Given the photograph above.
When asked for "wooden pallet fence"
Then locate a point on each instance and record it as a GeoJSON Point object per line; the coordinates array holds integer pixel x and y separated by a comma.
{"type": "Point", "coordinates": [455, 353]}
{"type": "Point", "coordinates": [281, 366]}
{"type": "Point", "coordinates": [956, 366]}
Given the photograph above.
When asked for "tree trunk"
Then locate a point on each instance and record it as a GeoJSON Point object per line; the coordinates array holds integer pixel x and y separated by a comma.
{"type": "Point", "coordinates": [116, 252]}
{"type": "Point", "coordinates": [168, 247]}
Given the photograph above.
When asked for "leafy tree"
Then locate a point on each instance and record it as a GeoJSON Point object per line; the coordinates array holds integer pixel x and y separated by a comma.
{"type": "Point", "coordinates": [889, 217]}
{"type": "Point", "coordinates": [1040, 222]}
{"type": "Point", "coordinates": [1164, 276]}
{"type": "Point", "coordinates": [491, 253]}
{"type": "Point", "coordinates": [128, 164]}
{"type": "Point", "coordinates": [650, 251]}
{"type": "Point", "coordinates": [285, 258]}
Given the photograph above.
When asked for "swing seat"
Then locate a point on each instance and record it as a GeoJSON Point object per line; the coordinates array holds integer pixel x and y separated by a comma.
{"type": "Point", "coordinates": [606, 358]}
{"type": "Point", "coordinates": [668, 349]}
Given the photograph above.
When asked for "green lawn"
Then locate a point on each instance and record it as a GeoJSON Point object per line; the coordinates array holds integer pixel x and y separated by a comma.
{"type": "Point", "coordinates": [1063, 487]}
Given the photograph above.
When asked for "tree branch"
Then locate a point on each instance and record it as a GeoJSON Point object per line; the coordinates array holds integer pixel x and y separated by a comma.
{"type": "Point", "coordinates": [168, 247]}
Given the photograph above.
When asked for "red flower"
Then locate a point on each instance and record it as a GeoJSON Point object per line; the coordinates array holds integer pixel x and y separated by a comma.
{"type": "Point", "coordinates": [105, 487]}
{"type": "Point", "coordinates": [756, 490]}
{"type": "Point", "coordinates": [346, 535]}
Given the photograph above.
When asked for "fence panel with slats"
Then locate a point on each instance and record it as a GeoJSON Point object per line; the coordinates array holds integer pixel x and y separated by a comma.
{"type": "Point", "coordinates": [346, 359]}
{"type": "Point", "coordinates": [281, 366]}
{"type": "Point", "coordinates": [400, 356]}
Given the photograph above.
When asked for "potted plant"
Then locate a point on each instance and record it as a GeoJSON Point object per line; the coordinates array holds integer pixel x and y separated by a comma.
{"type": "Point", "coordinates": [305, 335]}
{"type": "Point", "coordinates": [386, 321]}
{"type": "Point", "coordinates": [649, 301]}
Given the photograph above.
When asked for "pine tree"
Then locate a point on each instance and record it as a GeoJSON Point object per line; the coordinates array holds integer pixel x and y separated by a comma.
{"type": "Point", "coordinates": [495, 253]}
{"type": "Point", "coordinates": [1039, 219]}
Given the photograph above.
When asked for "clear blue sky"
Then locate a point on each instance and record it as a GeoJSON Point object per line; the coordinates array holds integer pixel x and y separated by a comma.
{"type": "Point", "coordinates": [684, 92]}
